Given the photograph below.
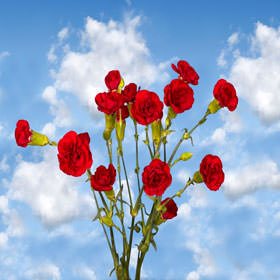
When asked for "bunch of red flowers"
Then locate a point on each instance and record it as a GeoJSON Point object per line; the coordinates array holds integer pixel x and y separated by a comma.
{"type": "Point", "coordinates": [144, 107]}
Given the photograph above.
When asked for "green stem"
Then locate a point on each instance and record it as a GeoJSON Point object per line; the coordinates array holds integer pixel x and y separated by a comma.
{"type": "Point", "coordinates": [147, 141]}
{"type": "Point", "coordinates": [189, 133]}
{"type": "Point", "coordinates": [112, 246]}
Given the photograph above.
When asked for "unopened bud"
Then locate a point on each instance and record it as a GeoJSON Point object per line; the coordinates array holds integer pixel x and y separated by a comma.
{"type": "Point", "coordinates": [186, 156]}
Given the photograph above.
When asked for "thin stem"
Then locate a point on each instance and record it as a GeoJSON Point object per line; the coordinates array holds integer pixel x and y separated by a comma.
{"type": "Point", "coordinates": [189, 133]}
{"type": "Point", "coordinates": [147, 141]}
{"type": "Point", "coordinates": [108, 144]}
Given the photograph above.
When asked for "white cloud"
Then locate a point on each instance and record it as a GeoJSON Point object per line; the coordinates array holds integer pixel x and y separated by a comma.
{"type": "Point", "coordinates": [232, 124]}
{"type": "Point", "coordinates": [51, 55]}
{"type": "Point", "coordinates": [58, 109]}
{"type": "Point", "coordinates": [4, 54]}
{"type": "Point", "coordinates": [262, 174]}
{"type": "Point", "coordinates": [112, 45]}
{"type": "Point", "coordinates": [44, 272]}
{"type": "Point", "coordinates": [233, 39]}
{"type": "Point", "coordinates": [3, 240]}
{"type": "Point", "coordinates": [52, 195]}
{"type": "Point", "coordinates": [257, 78]}
{"type": "Point", "coordinates": [84, 272]}
{"type": "Point", "coordinates": [63, 34]}
{"type": "Point", "coordinates": [4, 167]}
{"type": "Point", "coordinates": [204, 259]}
{"type": "Point", "coordinates": [221, 59]}
{"type": "Point", "coordinates": [184, 211]}
{"type": "Point", "coordinates": [193, 276]}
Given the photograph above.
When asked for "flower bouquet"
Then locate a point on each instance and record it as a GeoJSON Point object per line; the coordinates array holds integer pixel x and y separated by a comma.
{"type": "Point", "coordinates": [119, 103]}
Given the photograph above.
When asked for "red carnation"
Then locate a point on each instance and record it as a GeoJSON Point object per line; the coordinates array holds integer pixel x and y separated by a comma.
{"type": "Point", "coordinates": [129, 93]}
{"type": "Point", "coordinates": [103, 178]}
{"type": "Point", "coordinates": [23, 133]}
{"type": "Point", "coordinates": [112, 80]}
{"type": "Point", "coordinates": [156, 177]}
{"type": "Point", "coordinates": [225, 93]}
{"type": "Point", "coordinates": [186, 72]}
{"type": "Point", "coordinates": [108, 103]}
{"type": "Point", "coordinates": [171, 209]}
{"type": "Point", "coordinates": [74, 155]}
{"type": "Point", "coordinates": [147, 107]}
{"type": "Point", "coordinates": [211, 170]}
{"type": "Point", "coordinates": [179, 96]}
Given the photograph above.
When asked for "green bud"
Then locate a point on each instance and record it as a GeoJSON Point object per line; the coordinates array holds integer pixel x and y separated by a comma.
{"type": "Point", "coordinates": [214, 106]}
{"type": "Point", "coordinates": [121, 85]}
{"type": "Point", "coordinates": [185, 156]}
{"type": "Point", "coordinates": [197, 178]}
{"type": "Point", "coordinates": [107, 221]}
{"type": "Point", "coordinates": [156, 131]}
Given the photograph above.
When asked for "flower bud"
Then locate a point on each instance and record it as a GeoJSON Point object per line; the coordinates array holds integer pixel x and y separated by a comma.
{"type": "Point", "coordinates": [185, 156]}
{"type": "Point", "coordinates": [156, 131]}
{"type": "Point", "coordinates": [121, 85]}
{"type": "Point", "coordinates": [107, 221]}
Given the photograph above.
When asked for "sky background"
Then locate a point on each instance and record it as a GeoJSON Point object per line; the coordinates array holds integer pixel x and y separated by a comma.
{"type": "Point", "coordinates": [54, 56]}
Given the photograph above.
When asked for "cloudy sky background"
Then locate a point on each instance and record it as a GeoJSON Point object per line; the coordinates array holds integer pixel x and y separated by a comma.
{"type": "Point", "coordinates": [53, 60]}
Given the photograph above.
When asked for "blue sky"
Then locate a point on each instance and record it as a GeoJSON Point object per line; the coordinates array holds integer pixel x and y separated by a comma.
{"type": "Point", "coordinates": [53, 59]}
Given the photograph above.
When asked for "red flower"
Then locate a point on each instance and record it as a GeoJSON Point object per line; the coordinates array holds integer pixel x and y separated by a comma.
{"type": "Point", "coordinates": [74, 155]}
{"type": "Point", "coordinates": [225, 93]}
{"type": "Point", "coordinates": [129, 93]}
{"type": "Point", "coordinates": [179, 96]}
{"type": "Point", "coordinates": [211, 170]}
{"type": "Point", "coordinates": [23, 133]}
{"type": "Point", "coordinates": [156, 177]}
{"type": "Point", "coordinates": [147, 107]}
{"type": "Point", "coordinates": [186, 72]}
{"type": "Point", "coordinates": [171, 209]}
{"type": "Point", "coordinates": [124, 112]}
{"type": "Point", "coordinates": [113, 79]}
{"type": "Point", "coordinates": [108, 103]}
{"type": "Point", "coordinates": [103, 178]}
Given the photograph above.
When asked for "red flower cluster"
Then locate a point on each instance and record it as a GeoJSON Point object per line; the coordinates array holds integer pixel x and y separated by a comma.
{"type": "Point", "coordinates": [178, 94]}
{"type": "Point", "coordinates": [171, 209]}
{"type": "Point", "coordinates": [74, 155]}
{"type": "Point", "coordinates": [186, 72]}
{"type": "Point", "coordinates": [23, 133]}
{"type": "Point", "coordinates": [225, 93]}
{"type": "Point", "coordinates": [103, 178]}
{"type": "Point", "coordinates": [156, 177]}
{"type": "Point", "coordinates": [211, 170]}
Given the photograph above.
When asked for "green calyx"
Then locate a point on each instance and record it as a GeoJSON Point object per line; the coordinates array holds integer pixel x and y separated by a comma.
{"type": "Point", "coordinates": [214, 106]}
